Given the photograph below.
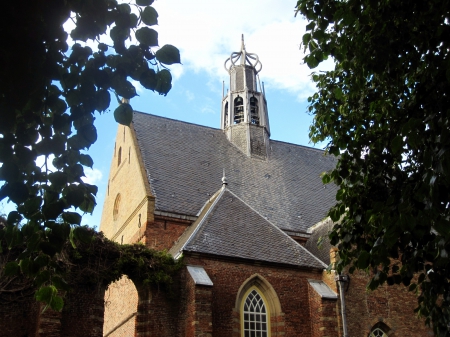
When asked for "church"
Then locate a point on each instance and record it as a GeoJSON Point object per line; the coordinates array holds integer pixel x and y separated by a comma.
{"type": "Point", "coordinates": [245, 213]}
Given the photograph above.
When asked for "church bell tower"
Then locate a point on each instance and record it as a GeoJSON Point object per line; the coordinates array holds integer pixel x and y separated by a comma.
{"type": "Point", "coordinates": [244, 116]}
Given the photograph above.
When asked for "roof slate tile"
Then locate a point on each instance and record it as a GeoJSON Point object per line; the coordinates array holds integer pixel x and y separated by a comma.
{"type": "Point", "coordinates": [184, 164]}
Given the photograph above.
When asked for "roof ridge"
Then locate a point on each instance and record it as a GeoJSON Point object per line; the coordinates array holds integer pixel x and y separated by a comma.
{"type": "Point", "coordinates": [218, 129]}
{"type": "Point", "coordinates": [300, 145]}
{"type": "Point", "coordinates": [281, 231]}
{"type": "Point", "coordinates": [177, 120]}
{"type": "Point", "coordinates": [202, 219]}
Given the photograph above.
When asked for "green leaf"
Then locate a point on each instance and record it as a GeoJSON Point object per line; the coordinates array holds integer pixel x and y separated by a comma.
{"type": "Point", "coordinates": [125, 89]}
{"type": "Point", "coordinates": [60, 283]}
{"type": "Point", "coordinates": [124, 114]}
{"type": "Point", "coordinates": [25, 265]}
{"type": "Point", "coordinates": [11, 268]}
{"type": "Point", "coordinates": [168, 54]}
{"type": "Point", "coordinates": [52, 210]}
{"type": "Point", "coordinates": [363, 260]}
{"type": "Point", "coordinates": [306, 38]}
{"type": "Point", "coordinates": [83, 234]}
{"type": "Point", "coordinates": [57, 303]}
{"type": "Point", "coordinates": [149, 16]}
{"type": "Point", "coordinates": [326, 178]}
{"type": "Point", "coordinates": [147, 36]}
{"type": "Point", "coordinates": [164, 83]}
{"type": "Point", "coordinates": [397, 144]}
{"type": "Point", "coordinates": [144, 2]}
{"type": "Point", "coordinates": [148, 79]}
{"type": "Point", "coordinates": [46, 294]}
{"type": "Point", "coordinates": [72, 218]}
{"type": "Point", "coordinates": [86, 160]}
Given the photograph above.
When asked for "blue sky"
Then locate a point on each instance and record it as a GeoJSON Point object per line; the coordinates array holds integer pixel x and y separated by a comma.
{"type": "Point", "coordinates": [207, 32]}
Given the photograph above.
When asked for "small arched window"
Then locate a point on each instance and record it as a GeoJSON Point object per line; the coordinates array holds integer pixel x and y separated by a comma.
{"type": "Point", "coordinates": [116, 207]}
{"type": "Point", "coordinates": [255, 318]}
{"type": "Point", "coordinates": [238, 110]}
{"type": "Point", "coordinates": [119, 156]}
{"type": "Point", "coordinates": [254, 113]}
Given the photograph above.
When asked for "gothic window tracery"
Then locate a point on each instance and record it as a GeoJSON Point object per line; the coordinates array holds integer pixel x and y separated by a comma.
{"type": "Point", "coordinates": [238, 110]}
{"type": "Point", "coordinates": [255, 316]}
{"type": "Point", "coordinates": [379, 330]}
{"type": "Point", "coordinates": [378, 333]}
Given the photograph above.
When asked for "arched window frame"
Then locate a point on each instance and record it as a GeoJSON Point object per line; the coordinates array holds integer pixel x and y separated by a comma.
{"type": "Point", "coordinates": [243, 319]}
{"type": "Point", "coordinates": [254, 111]}
{"type": "Point", "coordinates": [238, 110]}
{"type": "Point", "coordinates": [266, 291]}
{"type": "Point", "coordinates": [379, 330]}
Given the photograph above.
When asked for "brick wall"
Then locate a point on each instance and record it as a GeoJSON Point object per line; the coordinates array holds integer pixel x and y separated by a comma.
{"type": "Point", "coordinates": [290, 286]}
{"type": "Point", "coordinates": [163, 232]}
{"type": "Point", "coordinates": [121, 304]}
{"type": "Point", "coordinates": [392, 305]}
{"type": "Point", "coordinates": [82, 314]}
{"type": "Point", "coordinates": [19, 318]}
{"type": "Point", "coordinates": [324, 315]}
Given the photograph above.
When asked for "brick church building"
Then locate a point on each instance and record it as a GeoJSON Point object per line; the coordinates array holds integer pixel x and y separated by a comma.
{"type": "Point", "coordinates": [245, 213]}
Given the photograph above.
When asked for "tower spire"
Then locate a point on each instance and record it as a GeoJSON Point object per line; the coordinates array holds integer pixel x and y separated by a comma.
{"type": "Point", "coordinates": [244, 108]}
{"type": "Point", "coordinates": [243, 50]}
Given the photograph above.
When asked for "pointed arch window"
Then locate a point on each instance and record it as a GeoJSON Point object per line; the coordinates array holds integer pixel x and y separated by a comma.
{"type": "Point", "coordinates": [238, 110]}
{"type": "Point", "coordinates": [255, 317]}
{"type": "Point", "coordinates": [254, 113]}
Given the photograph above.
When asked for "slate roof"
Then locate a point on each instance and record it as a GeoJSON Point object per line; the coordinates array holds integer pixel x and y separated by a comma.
{"type": "Point", "coordinates": [320, 230]}
{"type": "Point", "coordinates": [184, 164]}
{"type": "Point", "coordinates": [232, 228]}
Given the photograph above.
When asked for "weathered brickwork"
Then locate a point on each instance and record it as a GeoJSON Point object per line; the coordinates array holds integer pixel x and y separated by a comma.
{"type": "Point", "coordinates": [121, 304]}
{"type": "Point", "coordinates": [82, 316]}
{"type": "Point", "coordinates": [164, 232]}
{"type": "Point", "coordinates": [324, 315]}
{"type": "Point", "coordinates": [392, 305]}
{"type": "Point", "coordinates": [290, 286]}
{"type": "Point", "coordinates": [19, 318]}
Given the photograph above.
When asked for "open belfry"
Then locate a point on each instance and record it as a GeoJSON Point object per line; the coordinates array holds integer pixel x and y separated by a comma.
{"type": "Point", "coordinates": [245, 213]}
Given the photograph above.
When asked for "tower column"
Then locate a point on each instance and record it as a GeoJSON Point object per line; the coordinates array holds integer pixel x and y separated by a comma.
{"type": "Point", "coordinates": [244, 109]}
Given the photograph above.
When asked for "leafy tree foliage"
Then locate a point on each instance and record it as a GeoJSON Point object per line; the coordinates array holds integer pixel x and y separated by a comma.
{"type": "Point", "coordinates": [385, 110]}
{"type": "Point", "coordinates": [49, 93]}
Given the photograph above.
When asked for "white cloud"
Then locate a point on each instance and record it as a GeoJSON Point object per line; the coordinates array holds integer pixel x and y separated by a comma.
{"type": "Point", "coordinates": [92, 176]}
{"type": "Point", "coordinates": [206, 32]}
